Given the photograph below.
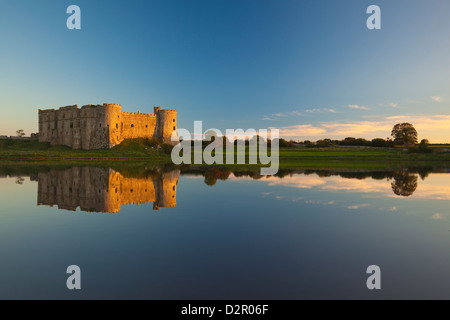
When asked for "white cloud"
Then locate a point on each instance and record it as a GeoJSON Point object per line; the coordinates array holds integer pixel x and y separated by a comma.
{"type": "Point", "coordinates": [393, 105]}
{"type": "Point", "coordinates": [355, 106]}
{"type": "Point", "coordinates": [266, 118]}
{"type": "Point", "coordinates": [312, 110]}
{"type": "Point", "coordinates": [436, 98]}
{"type": "Point", "coordinates": [357, 206]}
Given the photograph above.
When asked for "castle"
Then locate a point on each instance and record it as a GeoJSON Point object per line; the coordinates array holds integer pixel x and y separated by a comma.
{"type": "Point", "coordinates": [103, 126]}
{"type": "Point", "coordinates": [105, 190]}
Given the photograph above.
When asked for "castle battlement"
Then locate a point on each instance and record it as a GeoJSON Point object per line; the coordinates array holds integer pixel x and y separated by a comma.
{"type": "Point", "coordinates": [103, 126]}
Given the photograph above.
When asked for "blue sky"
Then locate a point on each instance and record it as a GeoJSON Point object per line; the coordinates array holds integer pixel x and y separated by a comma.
{"type": "Point", "coordinates": [310, 68]}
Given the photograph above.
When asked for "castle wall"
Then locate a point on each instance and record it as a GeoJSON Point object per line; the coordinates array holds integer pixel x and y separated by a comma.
{"type": "Point", "coordinates": [138, 125]}
{"type": "Point", "coordinates": [102, 126]}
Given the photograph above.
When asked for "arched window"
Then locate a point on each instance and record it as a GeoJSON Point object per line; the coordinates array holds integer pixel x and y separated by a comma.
{"type": "Point", "coordinates": [132, 125]}
{"type": "Point", "coordinates": [173, 120]}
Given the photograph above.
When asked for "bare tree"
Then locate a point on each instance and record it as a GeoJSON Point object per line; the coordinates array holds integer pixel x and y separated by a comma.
{"type": "Point", "coordinates": [20, 133]}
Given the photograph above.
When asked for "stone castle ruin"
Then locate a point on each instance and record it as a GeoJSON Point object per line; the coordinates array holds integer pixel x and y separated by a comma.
{"type": "Point", "coordinates": [103, 126]}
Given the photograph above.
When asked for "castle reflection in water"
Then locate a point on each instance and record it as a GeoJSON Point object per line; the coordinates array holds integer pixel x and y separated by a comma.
{"type": "Point", "coordinates": [105, 190]}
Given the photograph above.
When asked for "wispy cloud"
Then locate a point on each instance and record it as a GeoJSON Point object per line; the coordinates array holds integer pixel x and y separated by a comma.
{"type": "Point", "coordinates": [357, 206]}
{"type": "Point", "coordinates": [274, 116]}
{"type": "Point", "coordinates": [295, 113]}
{"type": "Point", "coordinates": [393, 105]}
{"type": "Point", "coordinates": [355, 106]}
{"type": "Point", "coordinates": [316, 110]}
{"type": "Point", "coordinates": [436, 98]}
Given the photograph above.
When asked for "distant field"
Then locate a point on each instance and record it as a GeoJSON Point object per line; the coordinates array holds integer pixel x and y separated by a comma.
{"type": "Point", "coordinates": [140, 151]}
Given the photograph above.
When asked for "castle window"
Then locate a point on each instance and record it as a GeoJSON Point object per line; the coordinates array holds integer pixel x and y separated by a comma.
{"type": "Point", "coordinates": [173, 120]}
{"type": "Point", "coordinates": [173, 188]}
{"type": "Point", "coordinates": [132, 125]}
{"type": "Point", "coordinates": [174, 128]}
{"type": "Point", "coordinates": [117, 126]}
{"type": "Point", "coordinates": [100, 125]}
{"type": "Point", "coordinates": [131, 190]}
{"type": "Point", "coordinates": [71, 125]}
{"type": "Point", "coordinates": [146, 126]}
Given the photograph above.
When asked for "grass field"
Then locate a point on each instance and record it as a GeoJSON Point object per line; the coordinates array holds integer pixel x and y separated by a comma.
{"type": "Point", "coordinates": [140, 152]}
{"type": "Point", "coordinates": [34, 150]}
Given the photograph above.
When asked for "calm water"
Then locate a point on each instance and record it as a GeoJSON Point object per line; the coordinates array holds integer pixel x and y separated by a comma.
{"type": "Point", "coordinates": [222, 235]}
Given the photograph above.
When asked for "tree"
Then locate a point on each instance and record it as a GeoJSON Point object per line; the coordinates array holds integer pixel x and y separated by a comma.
{"type": "Point", "coordinates": [378, 142]}
{"type": "Point", "coordinates": [404, 133]}
{"type": "Point", "coordinates": [424, 143]}
{"type": "Point", "coordinates": [20, 133]}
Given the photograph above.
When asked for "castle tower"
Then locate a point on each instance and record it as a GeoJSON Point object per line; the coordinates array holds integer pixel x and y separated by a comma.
{"type": "Point", "coordinates": [113, 120]}
{"type": "Point", "coordinates": [166, 124]}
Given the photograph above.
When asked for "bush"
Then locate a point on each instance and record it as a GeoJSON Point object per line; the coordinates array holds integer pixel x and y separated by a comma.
{"type": "Point", "coordinates": [419, 150]}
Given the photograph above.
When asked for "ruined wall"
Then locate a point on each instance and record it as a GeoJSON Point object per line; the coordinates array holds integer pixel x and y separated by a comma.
{"type": "Point", "coordinates": [102, 126]}
{"type": "Point", "coordinates": [104, 190]}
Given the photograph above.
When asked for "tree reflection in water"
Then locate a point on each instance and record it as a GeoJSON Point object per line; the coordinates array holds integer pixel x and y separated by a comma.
{"type": "Point", "coordinates": [404, 183]}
